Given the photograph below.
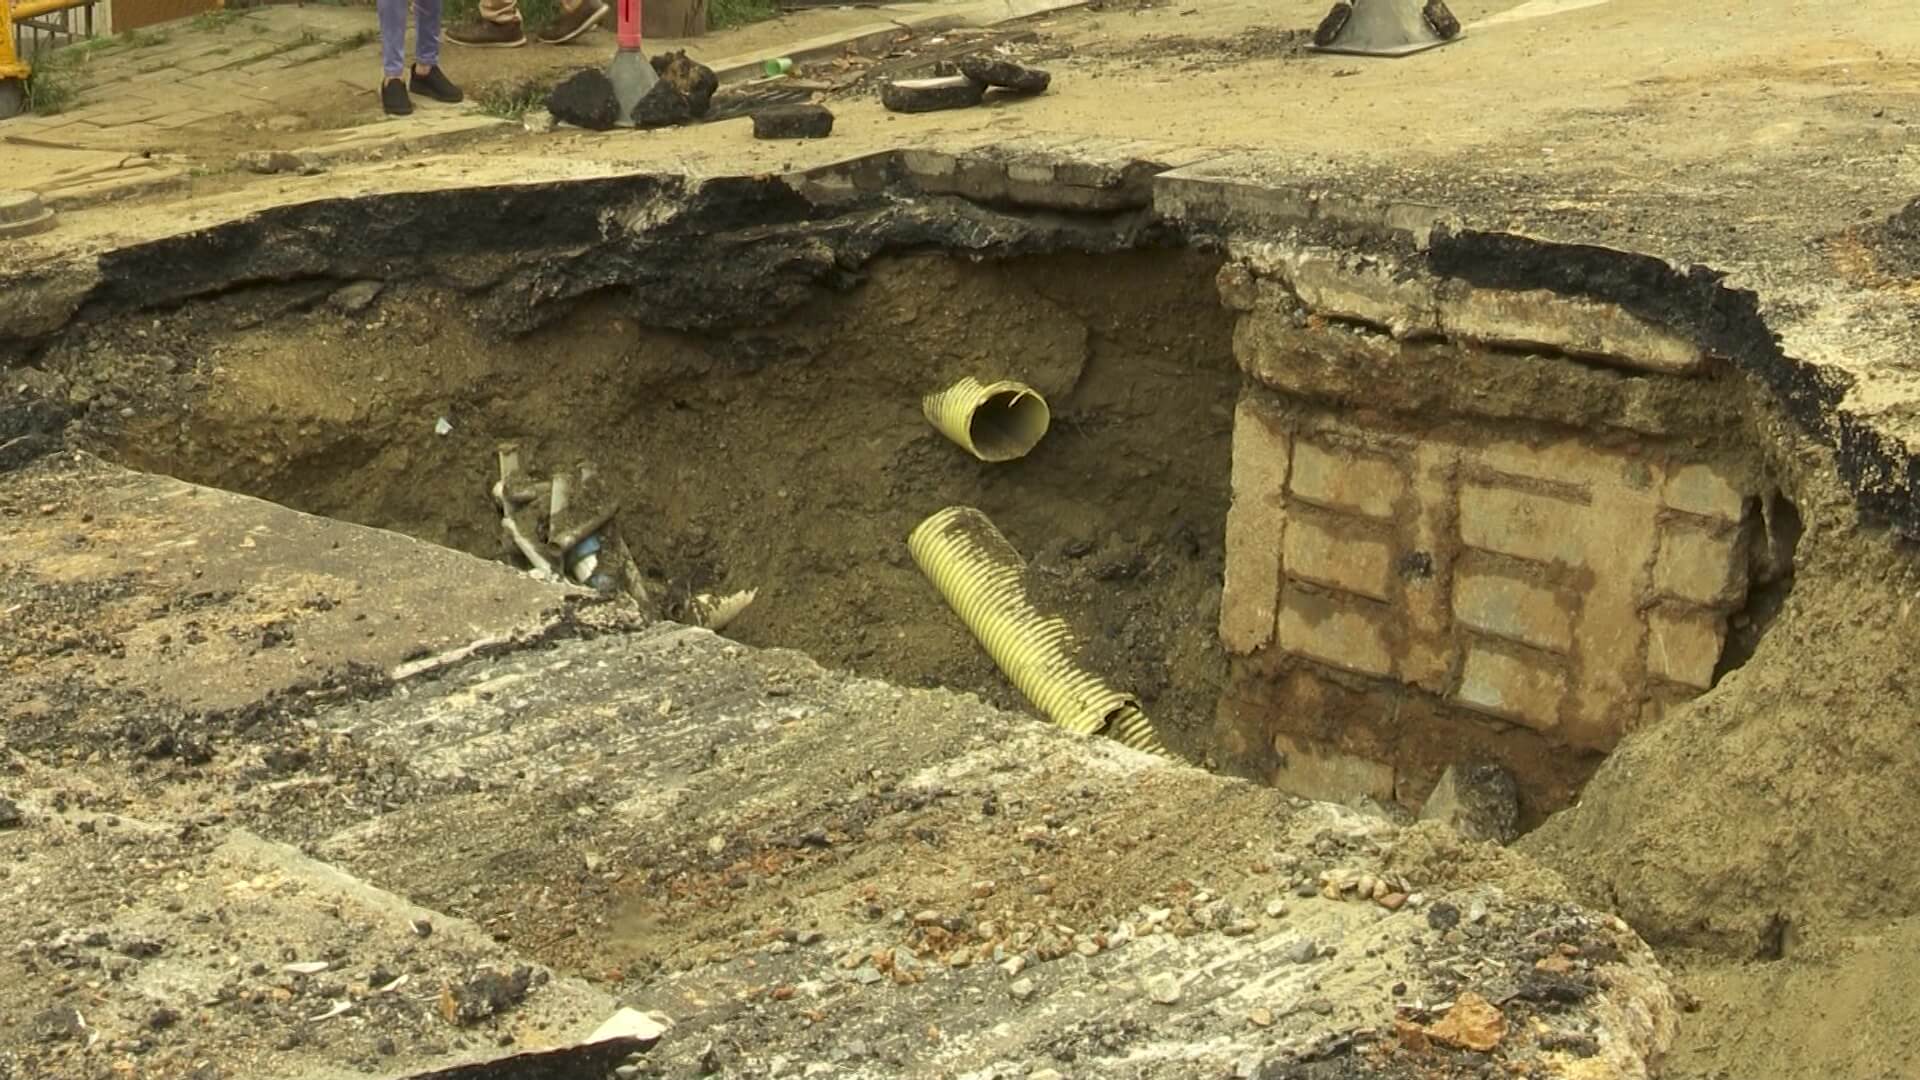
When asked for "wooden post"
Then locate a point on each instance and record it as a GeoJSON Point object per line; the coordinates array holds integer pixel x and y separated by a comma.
{"type": "Point", "coordinates": [673, 19]}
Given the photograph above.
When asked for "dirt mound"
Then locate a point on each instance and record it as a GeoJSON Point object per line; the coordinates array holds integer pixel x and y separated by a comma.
{"type": "Point", "coordinates": [1776, 810]}
{"type": "Point", "coordinates": [1848, 1009]}
{"type": "Point", "coordinates": [1207, 53]}
{"type": "Point", "coordinates": [1782, 802]}
{"type": "Point", "coordinates": [1762, 836]}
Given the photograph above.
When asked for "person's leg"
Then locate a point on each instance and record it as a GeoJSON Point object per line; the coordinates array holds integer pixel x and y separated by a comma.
{"type": "Point", "coordinates": [428, 79]}
{"type": "Point", "coordinates": [393, 38]}
{"type": "Point", "coordinates": [426, 35]}
{"type": "Point", "coordinates": [497, 27]}
{"type": "Point", "coordinates": [393, 44]}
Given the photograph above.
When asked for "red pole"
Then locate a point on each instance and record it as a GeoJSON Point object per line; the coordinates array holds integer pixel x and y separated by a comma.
{"type": "Point", "coordinates": [629, 24]}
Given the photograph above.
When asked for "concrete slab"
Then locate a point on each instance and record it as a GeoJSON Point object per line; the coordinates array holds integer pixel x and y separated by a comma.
{"type": "Point", "coordinates": [795, 867]}
{"type": "Point", "coordinates": [122, 179]}
{"type": "Point", "coordinates": [330, 970]}
{"type": "Point", "coordinates": [184, 118]}
{"type": "Point", "coordinates": [724, 809]}
{"type": "Point", "coordinates": [228, 57]}
{"type": "Point", "coordinates": [206, 600]}
{"type": "Point", "coordinates": [420, 131]}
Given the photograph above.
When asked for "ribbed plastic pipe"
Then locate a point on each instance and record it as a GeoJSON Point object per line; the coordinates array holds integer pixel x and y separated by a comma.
{"type": "Point", "coordinates": [997, 421]}
{"type": "Point", "coordinates": [1130, 727]}
{"type": "Point", "coordinates": [983, 579]}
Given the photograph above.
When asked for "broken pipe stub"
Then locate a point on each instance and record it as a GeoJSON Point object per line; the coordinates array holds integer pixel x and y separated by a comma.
{"type": "Point", "coordinates": [997, 421]}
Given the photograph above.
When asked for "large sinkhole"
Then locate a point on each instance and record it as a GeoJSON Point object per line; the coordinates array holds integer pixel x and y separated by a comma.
{"type": "Point", "coordinates": [792, 459]}
{"type": "Point", "coordinates": [1336, 521]}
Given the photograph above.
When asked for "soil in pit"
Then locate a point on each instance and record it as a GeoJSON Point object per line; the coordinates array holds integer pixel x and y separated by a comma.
{"type": "Point", "coordinates": [792, 458]}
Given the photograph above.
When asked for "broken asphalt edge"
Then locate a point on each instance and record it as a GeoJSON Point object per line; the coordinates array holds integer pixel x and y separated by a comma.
{"type": "Point", "coordinates": [1001, 200]}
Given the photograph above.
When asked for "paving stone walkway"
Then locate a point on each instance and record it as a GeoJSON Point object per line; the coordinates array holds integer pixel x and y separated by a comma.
{"type": "Point", "coordinates": [199, 69]}
{"type": "Point", "coordinates": [157, 106]}
{"type": "Point", "coordinates": [138, 98]}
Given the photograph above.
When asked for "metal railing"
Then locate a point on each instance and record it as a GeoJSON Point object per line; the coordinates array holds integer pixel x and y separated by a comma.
{"type": "Point", "coordinates": [49, 24]}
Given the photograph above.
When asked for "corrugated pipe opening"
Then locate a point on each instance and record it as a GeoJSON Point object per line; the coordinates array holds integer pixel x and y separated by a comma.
{"type": "Point", "coordinates": [997, 421]}
{"type": "Point", "coordinates": [983, 579]}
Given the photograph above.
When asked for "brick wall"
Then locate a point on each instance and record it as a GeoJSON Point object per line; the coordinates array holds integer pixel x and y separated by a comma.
{"type": "Point", "coordinates": [1552, 584]}
{"type": "Point", "coordinates": [1465, 523]}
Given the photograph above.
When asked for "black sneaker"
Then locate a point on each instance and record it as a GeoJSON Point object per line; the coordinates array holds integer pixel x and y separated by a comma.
{"type": "Point", "coordinates": [481, 34]}
{"type": "Point", "coordinates": [394, 99]}
{"type": "Point", "coordinates": [436, 85]}
{"type": "Point", "coordinates": [567, 25]}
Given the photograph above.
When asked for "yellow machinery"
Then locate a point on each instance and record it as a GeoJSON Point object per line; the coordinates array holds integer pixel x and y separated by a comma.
{"type": "Point", "coordinates": [13, 69]}
{"type": "Point", "coordinates": [13, 73]}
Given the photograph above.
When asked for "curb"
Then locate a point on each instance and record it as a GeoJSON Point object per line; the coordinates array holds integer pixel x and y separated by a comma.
{"type": "Point", "coordinates": [371, 142]}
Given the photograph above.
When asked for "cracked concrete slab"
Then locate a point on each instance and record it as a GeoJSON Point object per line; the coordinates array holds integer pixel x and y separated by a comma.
{"type": "Point", "coordinates": [209, 600]}
{"type": "Point", "coordinates": [803, 871]}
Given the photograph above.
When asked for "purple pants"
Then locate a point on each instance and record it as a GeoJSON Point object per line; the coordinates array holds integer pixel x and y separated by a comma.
{"type": "Point", "coordinates": [393, 34]}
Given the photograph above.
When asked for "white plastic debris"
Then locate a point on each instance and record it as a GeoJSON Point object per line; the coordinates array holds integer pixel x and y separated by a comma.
{"type": "Point", "coordinates": [584, 569]}
{"type": "Point", "coordinates": [715, 612]}
{"type": "Point", "coordinates": [442, 426]}
{"type": "Point", "coordinates": [305, 967]}
{"type": "Point", "coordinates": [584, 559]}
{"type": "Point", "coordinates": [339, 1007]}
{"type": "Point", "coordinates": [631, 1024]}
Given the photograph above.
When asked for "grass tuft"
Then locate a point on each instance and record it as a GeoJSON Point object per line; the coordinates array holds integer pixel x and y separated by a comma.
{"type": "Point", "coordinates": [144, 39]}
{"type": "Point", "coordinates": [723, 14]}
{"type": "Point", "coordinates": [51, 85]}
{"type": "Point", "coordinates": [511, 101]}
{"type": "Point", "coordinates": [50, 88]}
{"type": "Point", "coordinates": [305, 38]}
{"type": "Point", "coordinates": [215, 21]}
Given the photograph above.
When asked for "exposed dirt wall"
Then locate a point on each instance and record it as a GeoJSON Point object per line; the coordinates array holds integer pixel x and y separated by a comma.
{"type": "Point", "coordinates": [791, 458]}
{"type": "Point", "coordinates": [1783, 799]}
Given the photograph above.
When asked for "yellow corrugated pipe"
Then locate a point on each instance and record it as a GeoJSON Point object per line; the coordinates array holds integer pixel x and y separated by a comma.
{"type": "Point", "coordinates": [996, 421]}
{"type": "Point", "coordinates": [1132, 728]}
{"type": "Point", "coordinates": [982, 578]}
